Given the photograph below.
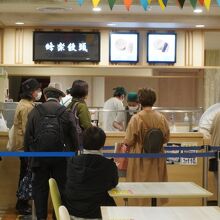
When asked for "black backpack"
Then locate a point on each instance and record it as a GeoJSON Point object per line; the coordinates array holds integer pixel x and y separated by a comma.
{"type": "Point", "coordinates": [153, 141]}
{"type": "Point", "coordinates": [49, 134]}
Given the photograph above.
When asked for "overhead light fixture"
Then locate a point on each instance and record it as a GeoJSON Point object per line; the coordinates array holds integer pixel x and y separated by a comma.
{"type": "Point", "coordinates": [197, 10]}
{"type": "Point", "coordinates": [54, 9]}
{"type": "Point", "coordinates": [97, 9]}
{"type": "Point", "coordinates": [19, 23]}
{"type": "Point", "coordinates": [200, 26]}
{"type": "Point", "coordinates": [111, 24]}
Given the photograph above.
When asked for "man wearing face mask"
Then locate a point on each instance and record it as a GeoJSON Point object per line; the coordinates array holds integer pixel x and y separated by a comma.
{"type": "Point", "coordinates": [133, 105]}
{"type": "Point", "coordinates": [49, 128]}
{"type": "Point", "coordinates": [113, 116]}
{"type": "Point", "coordinates": [31, 92]}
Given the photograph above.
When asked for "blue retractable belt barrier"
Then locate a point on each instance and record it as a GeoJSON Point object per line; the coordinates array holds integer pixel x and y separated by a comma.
{"type": "Point", "coordinates": [160, 155]}
{"type": "Point", "coordinates": [168, 148]}
{"type": "Point", "coordinates": [214, 148]}
{"type": "Point", "coordinates": [37, 154]}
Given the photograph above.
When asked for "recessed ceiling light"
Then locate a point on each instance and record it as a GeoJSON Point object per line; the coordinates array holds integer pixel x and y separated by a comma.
{"type": "Point", "coordinates": [111, 24]}
{"type": "Point", "coordinates": [97, 9]}
{"type": "Point", "coordinates": [197, 10]}
{"type": "Point", "coordinates": [54, 9]}
{"type": "Point", "coordinates": [200, 25]}
{"type": "Point", "coordinates": [19, 23]}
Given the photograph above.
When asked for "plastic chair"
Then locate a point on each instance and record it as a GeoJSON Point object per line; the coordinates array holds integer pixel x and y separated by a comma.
{"type": "Point", "coordinates": [55, 196]}
{"type": "Point", "coordinates": [63, 213]}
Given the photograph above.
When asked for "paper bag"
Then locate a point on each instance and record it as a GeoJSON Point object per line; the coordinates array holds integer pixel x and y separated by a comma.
{"type": "Point", "coordinates": [121, 162]}
{"type": "Point", "coordinates": [11, 142]}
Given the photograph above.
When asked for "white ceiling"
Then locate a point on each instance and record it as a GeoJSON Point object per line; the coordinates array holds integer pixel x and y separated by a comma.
{"type": "Point", "coordinates": [69, 14]}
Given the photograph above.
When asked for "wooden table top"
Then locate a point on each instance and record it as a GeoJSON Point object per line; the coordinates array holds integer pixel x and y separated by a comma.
{"type": "Point", "coordinates": [160, 213]}
{"type": "Point", "coordinates": [159, 190]}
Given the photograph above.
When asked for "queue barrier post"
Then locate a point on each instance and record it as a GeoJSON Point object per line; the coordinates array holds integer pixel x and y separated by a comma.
{"type": "Point", "coordinates": [205, 173]}
{"type": "Point", "coordinates": [218, 183]}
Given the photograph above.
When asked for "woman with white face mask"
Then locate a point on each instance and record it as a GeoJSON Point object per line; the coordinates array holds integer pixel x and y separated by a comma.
{"type": "Point", "coordinates": [133, 105]}
{"type": "Point", "coordinates": [31, 92]}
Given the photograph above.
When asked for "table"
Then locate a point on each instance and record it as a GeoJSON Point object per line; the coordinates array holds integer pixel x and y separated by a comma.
{"type": "Point", "coordinates": [160, 213]}
{"type": "Point", "coordinates": [156, 190]}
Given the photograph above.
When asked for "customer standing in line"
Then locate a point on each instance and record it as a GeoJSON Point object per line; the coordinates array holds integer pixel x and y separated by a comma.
{"type": "Point", "coordinates": [78, 106]}
{"type": "Point", "coordinates": [45, 132]}
{"type": "Point", "coordinates": [31, 91]}
{"type": "Point", "coordinates": [145, 169]}
{"type": "Point", "coordinates": [206, 120]}
{"type": "Point", "coordinates": [114, 117]}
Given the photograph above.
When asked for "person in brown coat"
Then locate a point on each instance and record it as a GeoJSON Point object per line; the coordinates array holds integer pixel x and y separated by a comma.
{"type": "Point", "coordinates": [31, 91]}
{"type": "Point", "coordinates": [145, 169]}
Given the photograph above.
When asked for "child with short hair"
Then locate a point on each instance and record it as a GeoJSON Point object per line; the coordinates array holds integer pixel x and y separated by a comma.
{"type": "Point", "coordinates": [89, 177]}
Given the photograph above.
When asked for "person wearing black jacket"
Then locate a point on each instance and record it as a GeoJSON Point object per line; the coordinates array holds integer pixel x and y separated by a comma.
{"type": "Point", "coordinates": [45, 168]}
{"type": "Point", "coordinates": [89, 177]}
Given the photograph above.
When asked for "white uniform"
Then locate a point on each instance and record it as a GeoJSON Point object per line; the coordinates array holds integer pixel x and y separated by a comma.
{"type": "Point", "coordinates": [115, 105]}
{"type": "Point", "coordinates": [206, 120]}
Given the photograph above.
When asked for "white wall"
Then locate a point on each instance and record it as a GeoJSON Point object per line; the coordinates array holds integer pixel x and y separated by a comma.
{"type": "Point", "coordinates": [3, 84]}
{"type": "Point", "coordinates": [212, 40]}
{"type": "Point", "coordinates": [96, 87]}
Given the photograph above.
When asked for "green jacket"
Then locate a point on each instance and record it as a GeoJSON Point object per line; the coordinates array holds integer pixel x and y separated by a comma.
{"type": "Point", "coordinates": [82, 113]}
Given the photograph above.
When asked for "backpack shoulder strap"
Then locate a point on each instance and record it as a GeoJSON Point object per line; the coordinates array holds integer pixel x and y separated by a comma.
{"type": "Point", "coordinates": [61, 110]}
{"type": "Point", "coordinates": [74, 106]}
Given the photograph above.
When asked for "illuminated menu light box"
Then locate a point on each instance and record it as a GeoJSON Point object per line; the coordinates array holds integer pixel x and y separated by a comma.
{"type": "Point", "coordinates": [161, 48]}
{"type": "Point", "coordinates": [124, 47]}
{"type": "Point", "coordinates": [66, 46]}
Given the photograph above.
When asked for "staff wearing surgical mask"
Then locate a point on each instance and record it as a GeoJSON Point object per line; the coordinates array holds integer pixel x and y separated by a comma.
{"type": "Point", "coordinates": [113, 115]}
{"type": "Point", "coordinates": [31, 92]}
{"type": "Point", "coordinates": [133, 105]}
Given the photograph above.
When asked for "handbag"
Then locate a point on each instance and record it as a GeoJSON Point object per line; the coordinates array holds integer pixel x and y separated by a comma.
{"type": "Point", "coordinates": [121, 162]}
{"type": "Point", "coordinates": [24, 191]}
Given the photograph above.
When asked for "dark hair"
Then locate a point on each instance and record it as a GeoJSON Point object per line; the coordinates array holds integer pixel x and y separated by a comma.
{"type": "Point", "coordinates": [79, 89]}
{"type": "Point", "coordinates": [26, 95]}
{"type": "Point", "coordinates": [52, 94]}
{"type": "Point", "coordinates": [93, 138]}
{"type": "Point", "coordinates": [119, 91]}
{"type": "Point", "coordinates": [68, 91]}
{"type": "Point", "coordinates": [147, 97]}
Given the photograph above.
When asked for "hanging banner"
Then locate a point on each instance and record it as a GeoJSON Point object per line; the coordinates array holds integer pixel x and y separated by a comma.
{"type": "Point", "coordinates": [201, 2]}
{"type": "Point", "coordinates": [95, 3]}
{"type": "Point", "coordinates": [193, 3]}
{"type": "Point", "coordinates": [111, 3]}
{"type": "Point", "coordinates": [149, 2]}
{"type": "Point", "coordinates": [127, 4]}
{"type": "Point", "coordinates": [207, 4]}
{"type": "Point", "coordinates": [181, 3]}
{"type": "Point", "coordinates": [144, 4]}
{"type": "Point", "coordinates": [161, 4]}
{"type": "Point", "coordinates": [165, 2]}
{"type": "Point", "coordinates": [80, 2]}
{"type": "Point", "coordinates": [218, 1]}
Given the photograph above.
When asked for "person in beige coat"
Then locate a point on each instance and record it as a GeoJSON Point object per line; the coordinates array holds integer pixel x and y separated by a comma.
{"type": "Point", "coordinates": [31, 92]}
{"type": "Point", "coordinates": [145, 169]}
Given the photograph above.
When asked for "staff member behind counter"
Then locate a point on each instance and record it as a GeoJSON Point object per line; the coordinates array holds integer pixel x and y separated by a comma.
{"type": "Point", "coordinates": [114, 118]}
{"type": "Point", "coordinates": [133, 105]}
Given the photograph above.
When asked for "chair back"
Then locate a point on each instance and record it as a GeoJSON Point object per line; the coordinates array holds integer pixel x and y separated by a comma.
{"type": "Point", "coordinates": [55, 196]}
{"type": "Point", "coordinates": [63, 213]}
